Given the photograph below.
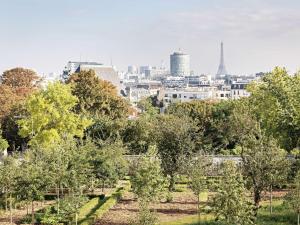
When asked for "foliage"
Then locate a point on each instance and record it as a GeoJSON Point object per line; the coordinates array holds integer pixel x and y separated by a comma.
{"type": "Point", "coordinates": [148, 180]}
{"type": "Point", "coordinates": [106, 130]}
{"type": "Point", "coordinates": [147, 108]}
{"type": "Point", "coordinates": [197, 171]}
{"type": "Point", "coordinates": [3, 143]}
{"type": "Point", "coordinates": [11, 128]}
{"type": "Point", "coordinates": [212, 123]}
{"type": "Point", "coordinates": [275, 101]}
{"type": "Point", "coordinates": [17, 84]}
{"type": "Point", "coordinates": [88, 218]}
{"type": "Point", "coordinates": [293, 198]}
{"type": "Point", "coordinates": [97, 97]}
{"type": "Point", "coordinates": [145, 216]}
{"type": "Point", "coordinates": [174, 143]}
{"type": "Point", "coordinates": [8, 174]}
{"type": "Point", "coordinates": [50, 117]}
{"type": "Point", "coordinates": [230, 203]}
{"type": "Point", "coordinates": [138, 135]}
{"type": "Point", "coordinates": [264, 162]}
{"type": "Point", "coordinates": [108, 163]}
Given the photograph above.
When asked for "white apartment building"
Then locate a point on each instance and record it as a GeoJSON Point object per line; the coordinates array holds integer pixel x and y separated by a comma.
{"type": "Point", "coordinates": [238, 90]}
{"type": "Point", "coordinates": [169, 96]}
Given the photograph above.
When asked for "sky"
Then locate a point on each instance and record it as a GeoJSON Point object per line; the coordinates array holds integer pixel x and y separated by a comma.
{"type": "Point", "coordinates": [45, 34]}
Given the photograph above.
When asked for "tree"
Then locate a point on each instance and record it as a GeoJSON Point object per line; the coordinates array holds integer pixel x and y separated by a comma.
{"type": "Point", "coordinates": [34, 178]}
{"type": "Point", "coordinates": [96, 96]}
{"type": "Point", "coordinates": [293, 197]}
{"type": "Point", "coordinates": [212, 123]}
{"type": "Point", "coordinates": [148, 184]}
{"type": "Point", "coordinates": [147, 107]}
{"type": "Point", "coordinates": [197, 171]}
{"type": "Point", "coordinates": [108, 163]}
{"type": "Point", "coordinates": [263, 162]}
{"type": "Point", "coordinates": [50, 117]}
{"type": "Point", "coordinates": [230, 204]}
{"type": "Point", "coordinates": [174, 143]}
{"type": "Point", "coordinates": [275, 101]}
{"type": "Point", "coordinates": [138, 134]}
{"type": "Point", "coordinates": [8, 173]}
{"type": "Point", "coordinates": [17, 84]}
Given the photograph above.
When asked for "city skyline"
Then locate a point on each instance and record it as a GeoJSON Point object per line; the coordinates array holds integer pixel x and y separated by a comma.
{"type": "Point", "coordinates": [46, 35]}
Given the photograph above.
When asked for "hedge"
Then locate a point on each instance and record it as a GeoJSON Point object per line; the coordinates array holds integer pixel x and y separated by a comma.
{"type": "Point", "coordinates": [95, 208]}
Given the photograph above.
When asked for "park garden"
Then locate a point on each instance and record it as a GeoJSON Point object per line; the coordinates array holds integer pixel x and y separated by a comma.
{"type": "Point", "coordinates": [77, 156]}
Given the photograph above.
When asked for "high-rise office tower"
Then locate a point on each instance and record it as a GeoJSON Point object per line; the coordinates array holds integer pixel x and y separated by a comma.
{"type": "Point", "coordinates": [180, 64]}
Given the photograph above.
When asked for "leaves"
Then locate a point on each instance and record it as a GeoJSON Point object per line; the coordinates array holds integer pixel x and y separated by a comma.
{"type": "Point", "coordinates": [50, 117]}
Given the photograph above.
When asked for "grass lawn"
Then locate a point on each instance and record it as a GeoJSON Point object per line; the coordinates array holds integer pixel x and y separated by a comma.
{"type": "Point", "coordinates": [280, 216]}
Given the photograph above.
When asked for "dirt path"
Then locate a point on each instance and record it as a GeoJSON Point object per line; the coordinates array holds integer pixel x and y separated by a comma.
{"type": "Point", "coordinates": [18, 214]}
{"type": "Point", "coordinates": [183, 204]}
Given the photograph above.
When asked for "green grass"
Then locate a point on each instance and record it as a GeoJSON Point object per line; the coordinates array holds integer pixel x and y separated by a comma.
{"type": "Point", "coordinates": [280, 216]}
{"type": "Point", "coordinates": [96, 208]}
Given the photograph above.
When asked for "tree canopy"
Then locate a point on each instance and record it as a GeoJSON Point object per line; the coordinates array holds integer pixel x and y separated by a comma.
{"type": "Point", "coordinates": [50, 117]}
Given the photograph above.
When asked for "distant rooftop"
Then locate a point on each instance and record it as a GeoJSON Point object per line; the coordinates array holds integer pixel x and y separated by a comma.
{"type": "Point", "coordinates": [86, 63]}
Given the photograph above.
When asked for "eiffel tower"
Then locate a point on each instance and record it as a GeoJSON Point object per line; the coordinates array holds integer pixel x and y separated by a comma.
{"type": "Point", "coordinates": [222, 69]}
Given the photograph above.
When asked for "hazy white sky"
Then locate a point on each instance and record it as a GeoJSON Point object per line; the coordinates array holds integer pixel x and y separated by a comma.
{"type": "Point", "coordinates": [46, 34]}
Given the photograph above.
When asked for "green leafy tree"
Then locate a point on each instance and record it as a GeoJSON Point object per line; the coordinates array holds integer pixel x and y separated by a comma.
{"type": "Point", "coordinates": [293, 197]}
{"type": "Point", "coordinates": [50, 117]}
{"type": "Point", "coordinates": [264, 162]}
{"type": "Point", "coordinates": [33, 180]}
{"type": "Point", "coordinates": [230, 203]}
{"type": "Point", "coordinates": [197, 169]}
{"type": "Point", "coordinates": [148, 180]}
{"type": "Point", "coordinates": [147, 108]}
{"type": "Point", "coordinates": [148, 184]}
{"type": "Point", "coordinates": [96, 96]}
{"type": "Point", "coordinates": [275, 101]}
{"type": "Point", "coordinates": [212, 123]}
{"type": "Point", "coordinates": [8, 172]}
{"type": "Point", "coordinates": [108, 163]}
{"type": "Point", "coordinates": [174, 143]}
{"type": "Point", "coordinates": [138, 135]}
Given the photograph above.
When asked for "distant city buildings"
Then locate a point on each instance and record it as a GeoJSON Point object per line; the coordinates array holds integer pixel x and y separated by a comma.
{"type": "Point", "coordinates": [108, 73]}
{"type": "Point", "coordinates": [177, 85]}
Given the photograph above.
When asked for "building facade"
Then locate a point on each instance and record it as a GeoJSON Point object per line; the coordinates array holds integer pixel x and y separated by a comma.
{"type": "Point", "coordinates": [180, 64]}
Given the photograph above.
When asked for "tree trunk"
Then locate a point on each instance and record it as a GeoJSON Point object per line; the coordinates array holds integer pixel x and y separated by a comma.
{"type": "Point", "coordinates": [32, 213]}
{"type": "Point", "coordinates": [103, 183]}
{"type": "Point", "coordinates": [257, 198]}
{"type": "Point", "coordinates": [199, 218]}
{"type": "Point", "coordinates": [10, 209]}
{"type": "Point", "coordinates": [6, 201]}
{"type": "Point", "coordinates": [172, 183]}
{"type": "Point", "coordinates": [76, 218]}
{"type": "Point", "coordinates": [57, 196]}
{"type": "Point", "coordinates": [271, 199]}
